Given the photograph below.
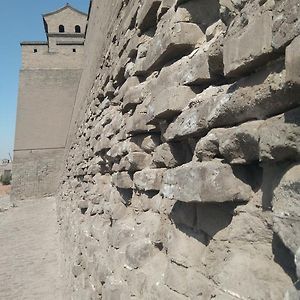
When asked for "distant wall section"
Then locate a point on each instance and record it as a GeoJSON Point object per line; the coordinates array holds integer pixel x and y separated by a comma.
{"type": "Point", "coordinates": [46, 100]}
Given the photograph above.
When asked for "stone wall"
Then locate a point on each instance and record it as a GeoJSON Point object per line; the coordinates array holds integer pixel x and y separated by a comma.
{"type": "Point", "coordinates": [42, 59]}
{"type": "Point", "coordinates": [182, 172]}
{"type": "Point", "coordinates": [46, 99]}
{"type": "Point", "coordinates": [36, 173]}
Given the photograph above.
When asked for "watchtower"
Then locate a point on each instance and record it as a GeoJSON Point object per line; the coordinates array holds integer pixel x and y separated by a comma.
{"type": "Point", "coordinates": [48, 83]}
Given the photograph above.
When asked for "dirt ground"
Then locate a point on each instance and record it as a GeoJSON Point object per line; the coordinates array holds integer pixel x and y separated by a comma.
{"type": "Point", "coordinates": [29, 251]}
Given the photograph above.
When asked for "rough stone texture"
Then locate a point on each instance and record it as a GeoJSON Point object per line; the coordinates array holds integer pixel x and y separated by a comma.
{"type": "Point", "coordinates": [292, 62]}
{"type": "Point", "coordinates": [250, 98]}
{"type": "Point", "coordinates": [287, 209]}
{"type": "Point", "coordinates": [286, 24]}
{"type": "Point", "coordinates": [148, 180]}
{"type": "Point", "coordinates": [169, 155]}
{"type": "Point", "coordinates": [204, 182]}
{"type": "Point", "coordinates": [176, 39]}
{"type": "Point", "coordinates": [249, 47]}
{"type": "Point", "coordinates": [181, 170]}
{"type": "Point", "coordinates": [169, 102]}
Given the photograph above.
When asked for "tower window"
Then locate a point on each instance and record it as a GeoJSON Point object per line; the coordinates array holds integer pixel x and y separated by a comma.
{"type": "Point", "coordinates": [61, 28]}
{"type": "Point", "coordinates": [34, 50]}
{"type": "Point", "coordinates": [77, 29]}
{"type": "Point", "coordinates": [74, 50]}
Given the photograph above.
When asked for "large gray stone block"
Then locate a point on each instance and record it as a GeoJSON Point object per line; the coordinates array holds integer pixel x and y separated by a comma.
{"type": "Point", "coordinates": [286, 23]}
{"type": "Point", "coordinates": [138, 122]}
{"type": "Point", "coordinates": [146, 142]}
{"type": "Point", "coordinates": [135, 161]}
{"type": "Point", "coordinates": [169, 103]}
{"type": "Point", "coordinates": [286, 208]}
{"type": "Point", "coordinates": [148, 179]}
{"type": "Point", "coordinates": [193, 119]}
{"type": "Point", "coordinates": [135, 95]}
{"type": "Point", "coordinates": [173, 42]}
{"type": "Point", "coordinates": [204, 182]}
{"type": "Point", "coordinates": [207, 147]}
{"type": "Point", "coordinates": [279, 137]}
{"type": "Point", "coordinates": [250, 47]}
{"type": "Point", "coordinates": [169, 155]}
{"type": "Point", "coordinates": [122, 180]}
{"type": "Point", "coordinates": [239, 145]}
{"type": "Point", "coordinates": [292, 61]}
{"type": "Point", "coordinates": [250, 98]}
{"type": "Point", "coordinates": [138, 252]}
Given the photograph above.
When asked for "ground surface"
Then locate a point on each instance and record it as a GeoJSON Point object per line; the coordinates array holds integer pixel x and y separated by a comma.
{"type": "Point", "coordinates": [29, 250]}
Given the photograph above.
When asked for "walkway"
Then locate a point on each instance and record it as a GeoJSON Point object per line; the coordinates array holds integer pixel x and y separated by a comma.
{"type": "Point", "coordinates": [29, 251]}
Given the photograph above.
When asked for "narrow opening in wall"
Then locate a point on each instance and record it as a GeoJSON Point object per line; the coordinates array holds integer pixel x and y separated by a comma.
{"type": "Point", "coordinates": [34, 50]}
{"type": "Point", "coordinates": [61, 28]}
{"type": "Point", "coordinates": [77, 29]}
{"type": "Point", "coordinates": [74, 50]}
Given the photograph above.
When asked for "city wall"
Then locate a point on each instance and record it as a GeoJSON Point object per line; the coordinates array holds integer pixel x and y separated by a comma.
{"type": "Point", "coordinates": [181, 177]}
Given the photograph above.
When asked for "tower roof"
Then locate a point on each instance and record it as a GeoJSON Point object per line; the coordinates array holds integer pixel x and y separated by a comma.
{"type": "Point", "coordinates": [67, 6]}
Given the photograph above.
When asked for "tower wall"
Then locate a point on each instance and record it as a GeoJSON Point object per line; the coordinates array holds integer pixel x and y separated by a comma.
{"type": "Point", "coordinates": [46, 99]}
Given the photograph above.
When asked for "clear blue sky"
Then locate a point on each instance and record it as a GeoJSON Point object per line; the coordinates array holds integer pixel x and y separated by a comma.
{"type": "Point", "coordinates": [20, 20]}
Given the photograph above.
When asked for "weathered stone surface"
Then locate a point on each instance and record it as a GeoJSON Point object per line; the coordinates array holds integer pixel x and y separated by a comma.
{"type": "Point", "coordinates": [202, 66]}
{"type": "Point", "coordinates": [193, 120]}
{"type": "Point", "coordinates": [121, 233]}
{"type": "Point", "coordinates": [164, 7]}
{"type": "Point", "coordinates": [204, 13]}
{"type": "Point", "coordinates": [115, 288]}
{"type": "Point", "coordinates": [148, 179]}
{"type": "Point", "coordinates": [162, 205]}
{"type": "Point", "coordinates": [286, 207]}
{"type": "Point", "coordinates": [169, 155]}
{"type": "Point", "coordinates": [250, 98]}
{"type": "Point", "coordinates": [178, 40]}
{"type": "Point", "coordinates": [292, 62]}
{"type": "Point", "coordinates": [169, 102]}
{"type": "Point", "coordinates": [188, 282]}
{"type": "Point", "coordinates": [208, 147]}
{"type": "Point", "coordinates": [242, 260]}
{"type": "Point", "coordinates": [280, 137]}
{"type": "Point", "coordinates": [122, 180]}
{"type": "Point", "coordinates": [160, 224]}
{"type": "Point", "coordinates": [247, 49]}
{"type": "Point", "coordinates": [109, 89]}
{"type": "Point", "coordinates": [286, 24]}
{"type": "Point", "coordinates": [135, 161]}
{"type": "Point", "coordinates": [216, 182]}
{"type": "Point", "coordinates": [131, 82]}
{"type": "Point", "coordinates": [183, 249]}
{"type": "Point", "coordinates": [137, 123]}
{"type": "Point", "coordinates": [275, 139]}
{"type": "Point", "coordinates": [138, 252]}
{"type": "Point", "coordinates": [135, 95]}
{"type": "Point", "coordinates": [239, 145]}
{"type": "Point", "coordinates": [146, 17]}
{"type": "Point", "coordinates": [122, 148]}
{"type": "Point", "coordinates": [146, 142]}
{"type": "Point", "coordinates": [102, 144]}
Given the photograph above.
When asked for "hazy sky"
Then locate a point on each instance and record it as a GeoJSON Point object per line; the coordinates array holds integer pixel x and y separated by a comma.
{"type": "Point", "coordinates": [20, 20]}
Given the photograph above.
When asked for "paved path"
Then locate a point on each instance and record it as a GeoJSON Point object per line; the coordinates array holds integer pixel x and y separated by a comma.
{"type": "Point", "coordinates": [29, 252]}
